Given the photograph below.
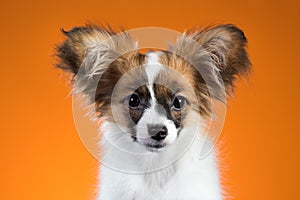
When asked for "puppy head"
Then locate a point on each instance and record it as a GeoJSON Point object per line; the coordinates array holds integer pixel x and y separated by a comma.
{"type": "Point", "coordinates": [153, 96]}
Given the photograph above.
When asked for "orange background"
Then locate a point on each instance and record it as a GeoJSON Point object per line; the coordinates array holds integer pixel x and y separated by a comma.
{"type": "Point", "coordinates": [40, 151]}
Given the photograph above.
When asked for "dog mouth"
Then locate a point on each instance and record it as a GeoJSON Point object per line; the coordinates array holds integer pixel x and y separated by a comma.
{"type": "Point", "coordinates": [150, 144]}
{"type": "Point", "coordinates": [153, 147]}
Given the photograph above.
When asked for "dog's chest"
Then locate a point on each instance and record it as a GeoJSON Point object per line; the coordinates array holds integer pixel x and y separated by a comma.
{"type": "Point", "coordinates": [184, 182]}
{"type": "Point", "coordinates": [156, 185]}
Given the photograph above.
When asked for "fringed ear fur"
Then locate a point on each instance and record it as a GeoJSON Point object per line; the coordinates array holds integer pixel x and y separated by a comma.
{"type": "Point", "coordinates": [226, 45]}
{"type": "Point", "coordinates": [89, 51]}
{"type": "Point", "coordinates": [91, 45]}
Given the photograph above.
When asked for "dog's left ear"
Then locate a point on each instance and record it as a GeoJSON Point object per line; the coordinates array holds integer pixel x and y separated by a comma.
{"type": "Point", "coordinates": [227, 46]}
{"type": "Point", "coordinates": [224, 45]}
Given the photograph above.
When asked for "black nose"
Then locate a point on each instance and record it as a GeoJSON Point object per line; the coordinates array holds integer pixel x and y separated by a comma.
{"type": "Point", "coordinates": [157, 132]}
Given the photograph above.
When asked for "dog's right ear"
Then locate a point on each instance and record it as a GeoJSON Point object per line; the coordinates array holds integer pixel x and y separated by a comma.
{"type": "Point", "coordinates": [96, 58]}
{"type": "Point", "coordinates": [91, 47]}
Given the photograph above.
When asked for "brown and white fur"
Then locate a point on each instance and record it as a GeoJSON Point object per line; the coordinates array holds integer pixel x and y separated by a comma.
{"type": "Point", "coordinates": [152, 104]}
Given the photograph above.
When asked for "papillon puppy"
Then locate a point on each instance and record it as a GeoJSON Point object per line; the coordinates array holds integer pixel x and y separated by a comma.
{"type": "Point", "coordinates": [154, 107]}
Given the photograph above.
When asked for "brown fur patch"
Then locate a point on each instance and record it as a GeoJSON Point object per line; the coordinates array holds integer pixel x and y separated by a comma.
{"type": "Point", "coordinates": [189, 83]}
{"type": "Point", "coordinates": [112, 75]}
{"type": "Point", "coordinates": [144, 96]}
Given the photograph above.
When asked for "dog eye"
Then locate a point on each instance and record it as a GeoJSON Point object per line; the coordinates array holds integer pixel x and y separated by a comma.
{"type": "Point", "coordinates": [179, 102]}
{"type": "Point", "coordinates": [134, 101]}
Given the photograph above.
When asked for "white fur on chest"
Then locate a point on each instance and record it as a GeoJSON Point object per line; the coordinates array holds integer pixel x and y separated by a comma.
{"type": "Point", "coordinates": [187, 178]}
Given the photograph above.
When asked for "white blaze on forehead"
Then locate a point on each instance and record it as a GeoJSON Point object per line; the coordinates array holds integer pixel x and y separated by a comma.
{"type": "Point", "coordinates": [153, 68]}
